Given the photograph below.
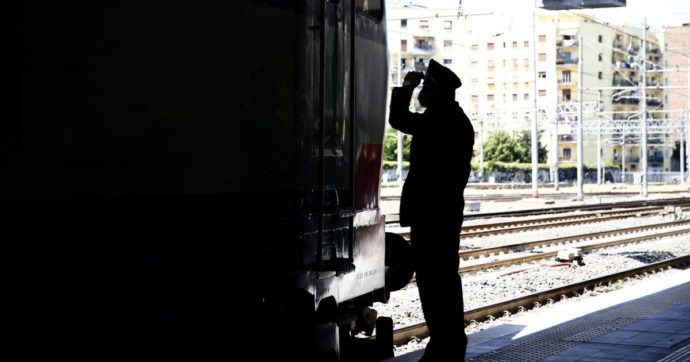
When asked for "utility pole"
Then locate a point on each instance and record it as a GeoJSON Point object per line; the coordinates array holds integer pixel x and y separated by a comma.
{"type": "Point", "coordinates": [682, 151]}
{"type": "Point", "coordinates": [555, 154]}
{"type": "Point", "coordinates": [580, 192]}
{"type": "Point", "coordinates": [644, 192]}
{"type": "Point", "coordinates": [481, 149]}
{"type": "Point", "coordinates": [599, 170]}
{"type": "Point", "coordinates": [399, 169]}
{"type": "Point", "coordinates": [623, 159]}
{"type": "Point", "coordinates": [535, 151]}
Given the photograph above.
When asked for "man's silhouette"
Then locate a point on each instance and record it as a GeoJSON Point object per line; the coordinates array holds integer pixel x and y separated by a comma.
{"type": "Point", "coordinates": [432, 201]}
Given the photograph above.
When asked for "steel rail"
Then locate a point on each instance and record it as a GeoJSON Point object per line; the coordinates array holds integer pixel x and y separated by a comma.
{"type": "Point", "coordinates": [472, 231]}
{"type": "Point", "coordinates": [394, 218]}
{"type": "Point", "coordinates": [585, 249]}
{"type": "Point", "coordinates": [419, 330]}
{"type": "Point", "coordinates": [475, 253]}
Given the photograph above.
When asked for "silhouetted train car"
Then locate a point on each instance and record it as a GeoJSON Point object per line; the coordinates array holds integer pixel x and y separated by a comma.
{"type": "Point", "coordinates": [199, 173]}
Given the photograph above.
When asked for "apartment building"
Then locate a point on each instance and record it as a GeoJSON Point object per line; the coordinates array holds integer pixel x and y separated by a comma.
{"type": "Point", "coordinates": [496, 56]}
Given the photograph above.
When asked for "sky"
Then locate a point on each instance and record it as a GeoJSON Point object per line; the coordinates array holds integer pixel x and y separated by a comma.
{"type": "Point", "coordinates": [659, 13]}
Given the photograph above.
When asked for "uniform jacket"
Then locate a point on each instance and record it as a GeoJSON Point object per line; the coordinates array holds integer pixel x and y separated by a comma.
{"type": "Point", "coordinates": [440, 154]}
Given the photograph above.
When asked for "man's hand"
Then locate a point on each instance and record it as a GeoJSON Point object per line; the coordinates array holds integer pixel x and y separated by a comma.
{"type": "Point", "coordinates": [413, 79]}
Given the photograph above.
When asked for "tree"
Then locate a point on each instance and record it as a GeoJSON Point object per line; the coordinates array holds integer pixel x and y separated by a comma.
{"type": "Point", "coordinates": [524, 139]}
{"type": "Point", "coordinates": [390, 150]}
{"type": "Point", "coordinates": [501, 147]}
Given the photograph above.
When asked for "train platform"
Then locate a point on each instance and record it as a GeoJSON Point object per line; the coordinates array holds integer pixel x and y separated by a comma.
{"type": "Point", "coordinates": [647, 322]}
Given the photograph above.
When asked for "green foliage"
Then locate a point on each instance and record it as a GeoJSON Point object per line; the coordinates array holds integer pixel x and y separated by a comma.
{"type": "Point", "coordinates": [524, 139]}
{"type": "Point", "coordinates": [390, 151]}
{"type": "Point", "coordinates": [500, 147]}
{"type": "Point", "coordinates": [495, 166]}
{"type": "Point", "coordinates": [392, 165]}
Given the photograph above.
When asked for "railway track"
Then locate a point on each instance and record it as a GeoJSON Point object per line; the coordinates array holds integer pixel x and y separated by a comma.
{"type": "Point", "coordinates": [516, 197]}
{"type": "Point", "coordinates": [419, 330]}
{"type": "Point", "coordinates": [682, 201]}
{"type": "Point", "coordinates": [486, 229]}
{"type": "Point", "coordinates": [530, 245]}
{"type": "Point", "coordinates": [552, 254]}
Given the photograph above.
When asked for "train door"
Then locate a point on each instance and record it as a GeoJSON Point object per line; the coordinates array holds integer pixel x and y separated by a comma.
{"type": "Point", "coordinates": [327, 181]}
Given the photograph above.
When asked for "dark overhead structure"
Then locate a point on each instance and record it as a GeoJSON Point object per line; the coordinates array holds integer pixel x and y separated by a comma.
{"type": "Point", "coordinates": [581, 4]}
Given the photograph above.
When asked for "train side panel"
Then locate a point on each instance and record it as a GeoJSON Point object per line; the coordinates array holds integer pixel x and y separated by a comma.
{"type": "Point", "coordinates": [181, 167]}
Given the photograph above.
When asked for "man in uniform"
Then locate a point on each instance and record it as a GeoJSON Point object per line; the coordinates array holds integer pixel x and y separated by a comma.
{"type": "Point", "coordinates": [432, 200]}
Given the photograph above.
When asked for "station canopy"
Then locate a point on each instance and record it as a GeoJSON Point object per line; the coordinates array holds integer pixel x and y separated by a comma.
{"type": "Point", "coordinates": [581, 4]}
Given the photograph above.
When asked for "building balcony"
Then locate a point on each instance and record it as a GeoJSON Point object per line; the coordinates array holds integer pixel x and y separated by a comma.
{"type": "Point", "coordinates": [655, 159]}
{"type": "Point", "coordinates": [567, 43]}
{"type": "Point", "coordinates": [617, 82]}
{"type": "Point", "coordinates": [622, 48]}
{"type": "Point", "coordinates": [566, 82]}
{"type": "Point", "coordinates": [566, 61]}
{"type": "Point", "coordinates": [426, 51]}
{"type": "Point", "coordinates": [654, 51]}
{"type": "Point", "coordinates": [627, 98]}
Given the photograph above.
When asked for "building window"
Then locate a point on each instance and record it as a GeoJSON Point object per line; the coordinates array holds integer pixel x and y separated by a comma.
{"type": "Point", "coordinates": [542, 38]}
{"type": "Point", "coordinates": [526, 96]}
{"type": "Point", "coordinates": [424, 43]}
{"type": "Point", "coordinates": [542, 57]}
{"type": "Point", "coordinates": [475, 98]}
{"type": "Point", "coordinates": [526, 85]}
{"type": "Point", "coordinates": [490, 46]}
{"type": "Point", "coordinates": [403, 45]}
{"type": "Point", "coordinates": [601, 38]}
{"type": "Point", "coordinates": [566, 76]}
{"type": "Point", "coordinates": [566, 95]}
{"type": "Point", "coordinates": [475, 46]}
{"type": "Point", "coordinates": [601, 75]}
{"type": "Point", "coordinates": [515, 62]}
{"type": "Point", "coordinates": [601, 57]}
{"type": "Point", "coordinates": [490, 64]}
{"type": "Point", "coordinates": [542, 92]}
{"type": "Point", "coordinates": [526, 44]}
{"type": "Point", "coordinates": [475, 81]}
{"type": "Point", "coordinates": [448, 24]}
{"type": "Point", "coordinates": [403, 23]}
{"type": "Point", "coordinates": [490, 97]}
{"type": "Point", "coordinates": [514, 97]}
{"type": "Point", "coordinates": [503, 62]}
{"type": "Point", "coordinates": [567, 153]}
{"type": "Point", "coordinates": [515, 86]}
{"type": "Point", "coordinates": [514, 45]}
{"type": "Point", "coordinates": [504, 45]}
{"type": "Point", "coordinates": [424, 24]}
{"type": "Point", "coordinates": [447, 61]}
{"type": "Point", "coordinates": [447, 43]}
{"type": "Point", "coordinates": [542, 75]}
